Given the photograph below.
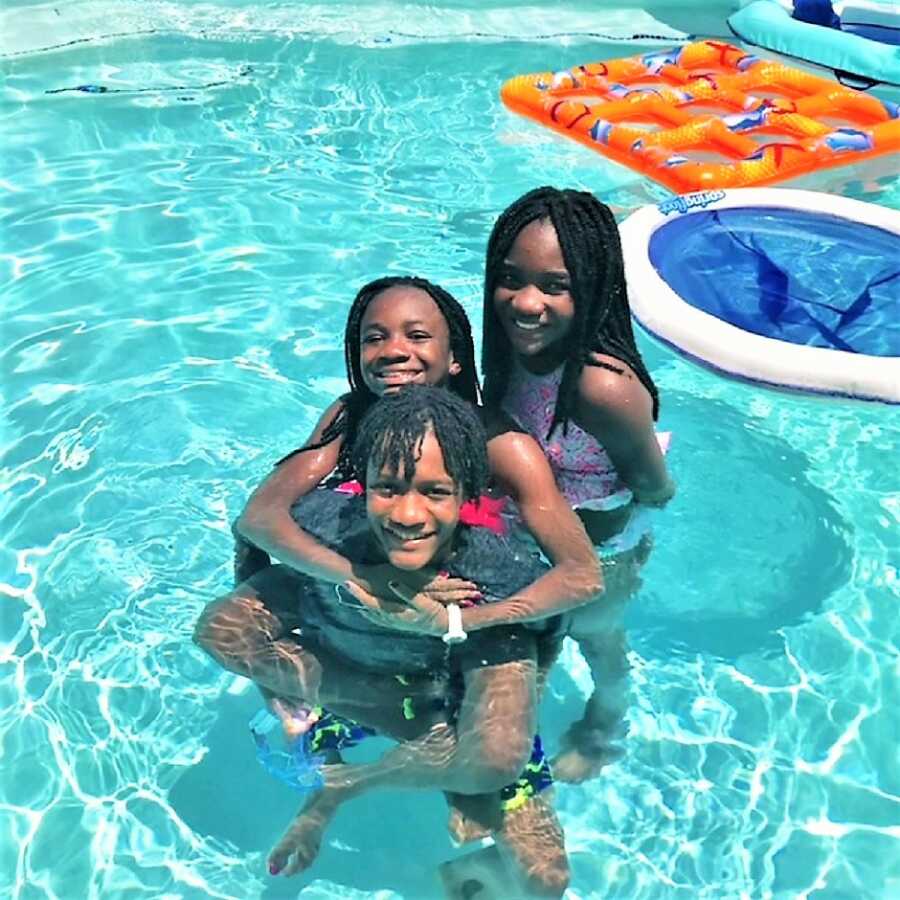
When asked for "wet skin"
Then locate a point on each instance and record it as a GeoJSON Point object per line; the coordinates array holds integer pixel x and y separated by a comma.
{"type": "Point", "coordinates": [532, 298]}
{"type": "Point", "coordinates": [404, 339]}
{"type": "Point", "coordinates": [413, 516]}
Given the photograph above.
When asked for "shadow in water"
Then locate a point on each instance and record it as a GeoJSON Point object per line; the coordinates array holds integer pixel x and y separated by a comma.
{"type": "Point", "coordinates": [386, 841]}
{"type": "Point", "coordinates": [750, 544]}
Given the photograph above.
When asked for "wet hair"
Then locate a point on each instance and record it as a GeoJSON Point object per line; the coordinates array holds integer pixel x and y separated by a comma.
{"type": "Point", "coordinates": [359, 398]}
{"type": "Point", "coordinates": [391, 432]}
{"type": "Point", "coordinates": [591, 249]}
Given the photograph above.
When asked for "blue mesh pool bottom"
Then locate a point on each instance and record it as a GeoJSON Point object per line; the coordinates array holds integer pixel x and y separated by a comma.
{"type": "Point", "coordinates": [794, 275]}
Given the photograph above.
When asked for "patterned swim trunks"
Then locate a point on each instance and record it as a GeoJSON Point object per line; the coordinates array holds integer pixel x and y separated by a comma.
{"type": "Point", "coordinates": [334, 732]}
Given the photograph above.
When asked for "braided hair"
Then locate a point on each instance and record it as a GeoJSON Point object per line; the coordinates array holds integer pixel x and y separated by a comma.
{"type": "Point", "coordinates": [359, 398]}
{"type": "Point", "coordinates": [391, 432]}
{"type": "Point", "coordinates": [589, 241]}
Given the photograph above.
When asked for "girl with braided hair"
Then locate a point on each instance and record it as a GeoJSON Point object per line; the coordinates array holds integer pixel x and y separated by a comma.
{"type": "Point", "coordinates": [428, 340]}
{"type": "Point", "coordinates": [559, 357]}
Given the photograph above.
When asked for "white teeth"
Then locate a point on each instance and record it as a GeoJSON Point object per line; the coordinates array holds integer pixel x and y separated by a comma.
{"type": "Point", "coordinates": [407, 539]}
{"type": "Point", "coordinates": [398, 376]}
{"type": "Point", "coordinates": [527, 326]}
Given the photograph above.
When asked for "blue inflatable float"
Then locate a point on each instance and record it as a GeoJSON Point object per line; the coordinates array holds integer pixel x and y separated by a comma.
{"type": "Point", "coordinates": [791, 288]}
{"type": "Point", "coordinates": [859, 40]}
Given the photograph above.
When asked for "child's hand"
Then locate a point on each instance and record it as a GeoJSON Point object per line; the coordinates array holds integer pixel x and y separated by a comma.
{"type": "Point", "coordinates": [296, 718]}
{"type": "Point", "coordinates": [445, 590]}
{"type": "Point", "coordinates": [413, 612]}
{"type": "Point", "coordinates": [376, 580]}
{"type": "Point", "coordinates": [383, 581]}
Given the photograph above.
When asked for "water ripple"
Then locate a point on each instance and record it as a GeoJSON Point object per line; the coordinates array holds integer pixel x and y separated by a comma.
{"type": "Point", "coordinates": [179, 255]}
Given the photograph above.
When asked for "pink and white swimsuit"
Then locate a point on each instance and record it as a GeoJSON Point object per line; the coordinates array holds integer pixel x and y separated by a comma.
{"type": "Point", "coordinates": [585, 475]}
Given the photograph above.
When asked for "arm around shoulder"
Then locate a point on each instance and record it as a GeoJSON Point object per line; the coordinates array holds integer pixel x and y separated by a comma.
{"type": "Point", "coordinates": [520, 468]}
{"type": "Point", "coordinates": [266, 521]}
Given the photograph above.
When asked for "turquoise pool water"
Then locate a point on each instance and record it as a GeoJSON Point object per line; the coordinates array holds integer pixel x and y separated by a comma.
{"type": "Point", "coordinates": [178, 257]}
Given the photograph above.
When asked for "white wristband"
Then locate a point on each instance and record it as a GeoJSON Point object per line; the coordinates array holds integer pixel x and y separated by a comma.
{"type": "Point", "coordinates": [455, 633]}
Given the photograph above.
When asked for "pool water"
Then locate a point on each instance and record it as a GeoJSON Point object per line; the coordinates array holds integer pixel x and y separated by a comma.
{"type": "Point", "coordinates": [179, 254]}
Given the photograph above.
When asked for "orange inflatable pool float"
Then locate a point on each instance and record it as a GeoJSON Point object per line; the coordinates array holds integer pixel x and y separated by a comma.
{"type": "Point", "coordinates": [708, 115]}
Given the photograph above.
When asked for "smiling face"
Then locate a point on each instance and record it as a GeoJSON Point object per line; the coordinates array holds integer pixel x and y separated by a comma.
{"type": "Point", "coordinates": [404, 339]}
{"type": "Point", "coordinates": [413, 516]}
{"type": "Point", "coordinates": [532, 297]}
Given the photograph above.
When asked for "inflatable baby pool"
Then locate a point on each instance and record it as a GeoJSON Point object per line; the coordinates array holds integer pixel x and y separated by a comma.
{"type": "Point", "coordinates": [791, 288]}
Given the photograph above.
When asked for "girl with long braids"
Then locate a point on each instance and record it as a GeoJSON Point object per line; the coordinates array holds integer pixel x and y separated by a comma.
{"type": "Point", "coordinates": [559, 357]}
{"type": "Point", "coordinates": [428, 340]}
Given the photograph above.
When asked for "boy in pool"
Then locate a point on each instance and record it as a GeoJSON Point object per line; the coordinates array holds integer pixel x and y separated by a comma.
{"type": "Point", "coordinates": [420, 454]}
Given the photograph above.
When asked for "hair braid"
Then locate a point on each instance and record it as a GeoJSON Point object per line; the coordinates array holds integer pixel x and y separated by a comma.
{"type": "Point", "coordinates": [391, 432]}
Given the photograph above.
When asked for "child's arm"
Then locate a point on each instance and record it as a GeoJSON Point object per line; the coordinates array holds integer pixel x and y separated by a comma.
{"type": "Point", "coordinates": [266, 520]}
{"type": "Point", "coordinates": [521, 470]}
{"type": "Point", "coordinates": [617, 410]}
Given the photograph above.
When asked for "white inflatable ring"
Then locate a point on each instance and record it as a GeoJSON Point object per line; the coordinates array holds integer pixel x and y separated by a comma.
{"type": "Point", "coordinates": [734, 350]}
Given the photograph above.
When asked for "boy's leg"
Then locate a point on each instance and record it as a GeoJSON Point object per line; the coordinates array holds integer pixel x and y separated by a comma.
{"type": "Point", "coordinates": [473, 817]}
{"type": "Point", "coordinates": [533, 844]}
{"type": "Point", "coordinates": [493, 733]}
{"type": "Point", "coordinates": [488, 749]}
{"type": "Point", "coordinates": [248, 559]}
{"type": "Point", "coordinates": [250, 632]}
{"type": "Point", "coordinates": [528, 859]}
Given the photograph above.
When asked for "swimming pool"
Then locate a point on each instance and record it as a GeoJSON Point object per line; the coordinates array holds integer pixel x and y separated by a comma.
{"type": "Point", "coordinates": [179, 252]}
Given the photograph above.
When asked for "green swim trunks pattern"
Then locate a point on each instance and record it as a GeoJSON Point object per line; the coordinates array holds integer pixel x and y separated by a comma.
{"type": "Point", "coordinates": [535, 777]}
{"type": "Point", "coordinates": [334, 732]}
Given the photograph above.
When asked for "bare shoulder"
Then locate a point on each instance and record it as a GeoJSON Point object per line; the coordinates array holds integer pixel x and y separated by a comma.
{"type": "Point", "coordinates": [327, 418]}
{"type": "Point", "coordinates": [509, 449]}
{"type": "Point", "coordinates": [299, 470]}
{"type": "Point", "coordinates": [496, 422]}
{"type": "Point", "coordinates": [518, 465]}
{"type": "Point", "coordinates": [609, 389]}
